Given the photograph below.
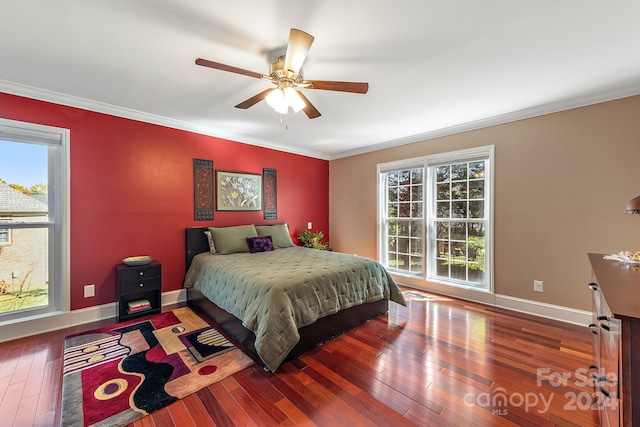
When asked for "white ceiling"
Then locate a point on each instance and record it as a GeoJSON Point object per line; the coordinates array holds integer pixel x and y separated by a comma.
{"type": "Point", "coordinates": [433, 66]}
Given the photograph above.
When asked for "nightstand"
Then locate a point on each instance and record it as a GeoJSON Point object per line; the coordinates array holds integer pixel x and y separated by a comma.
{"type": "Point", "coordinates": [136, 284]}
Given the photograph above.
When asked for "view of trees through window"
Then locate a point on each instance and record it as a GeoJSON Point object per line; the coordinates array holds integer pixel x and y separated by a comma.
{"type": "Point", "coordinates": [435, 217]}
{"type": "Point", "coordinates": [404, 220]}
{"type": "Point", "coordinates": [24, 235]}
{"type": "Point", "coordinates": [459, 221]}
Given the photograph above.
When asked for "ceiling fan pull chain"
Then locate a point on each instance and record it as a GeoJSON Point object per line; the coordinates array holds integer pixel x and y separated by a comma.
{"type": "Point", "coordinates": [286, 121]}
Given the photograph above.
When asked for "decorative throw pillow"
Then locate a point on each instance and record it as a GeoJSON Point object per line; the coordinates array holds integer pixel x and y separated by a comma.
{"type": "Point", "coordinates": [260, 244]}
{"type": "Point", "coordinates": [230, 240]}
{"type": "Point", "coordinates": [212, 246]}
{"type": "Point", "coordinates": [279, 234]}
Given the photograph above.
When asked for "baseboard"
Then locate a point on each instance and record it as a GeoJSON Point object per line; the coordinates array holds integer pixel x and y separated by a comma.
{"type": "Point", "coordinates": [59, 320]}
{"type": "Point", "coordinates": [460, 292]}
{"type": "Point", "coordinates": [535, 308]}
{"type": "Point", "coordinates": [549, 311]}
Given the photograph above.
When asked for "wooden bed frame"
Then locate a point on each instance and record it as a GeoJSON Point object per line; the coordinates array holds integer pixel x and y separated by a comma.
{"type": "Point", "coordinates": [321, 331]}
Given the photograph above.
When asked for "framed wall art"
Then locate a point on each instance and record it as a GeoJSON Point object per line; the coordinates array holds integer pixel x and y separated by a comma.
{"type": "Point", "coordinates": [270, 194]}
{"type": "Point", "coordinates": [203, 189]}
{"type": "Point", "coordinates": [236, 191]}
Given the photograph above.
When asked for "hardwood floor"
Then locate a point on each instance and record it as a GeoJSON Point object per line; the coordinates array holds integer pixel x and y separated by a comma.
{"type": "Point", "coordinates": [437, 362]}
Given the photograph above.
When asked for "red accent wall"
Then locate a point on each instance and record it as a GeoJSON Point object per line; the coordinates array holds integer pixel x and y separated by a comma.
{"type": "Point", "coordinates": [132, 190]}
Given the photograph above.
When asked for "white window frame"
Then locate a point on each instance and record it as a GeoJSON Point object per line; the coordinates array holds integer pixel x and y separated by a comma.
{"type": "Point", "coordinates": [58, 222]}
{"type": "Point", "coordinates": [428, 163]}
{"type": "Point", "coordinates": [6, 231]}
{"type": "Point", "coordinates": [383, 254]}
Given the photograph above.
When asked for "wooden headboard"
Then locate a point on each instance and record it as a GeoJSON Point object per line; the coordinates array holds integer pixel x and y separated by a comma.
{"type": "Point", "coordinates": [196, 243]}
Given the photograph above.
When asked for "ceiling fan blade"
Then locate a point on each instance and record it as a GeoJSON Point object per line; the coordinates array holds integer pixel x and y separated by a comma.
{"type": "Point", "coordinates": [353, 87]}
{"type": "Point", "coordinates": [311, 111]}
{"type": "Point", "coordinates": [229, 68]}
{"type": "Point", "coordinates": [254, 99]}
{"type": "Point", "coordinates": [297, 49]}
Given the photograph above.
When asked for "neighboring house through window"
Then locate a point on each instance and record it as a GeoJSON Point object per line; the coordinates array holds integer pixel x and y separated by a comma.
{"type": "Point", "coordinates": [34, 252]}
{"type": "Point", "coordinates": [438, 209]}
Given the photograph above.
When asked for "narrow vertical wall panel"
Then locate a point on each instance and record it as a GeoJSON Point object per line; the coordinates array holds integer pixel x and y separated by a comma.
{"type": "Point", "coordinates": [270, 196]}
{"type": "Point", "coordinates": [203, 189]}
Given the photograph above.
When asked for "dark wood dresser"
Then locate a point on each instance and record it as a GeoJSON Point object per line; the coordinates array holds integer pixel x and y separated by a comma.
{"type": "Point", "coordinates": [616, 328]}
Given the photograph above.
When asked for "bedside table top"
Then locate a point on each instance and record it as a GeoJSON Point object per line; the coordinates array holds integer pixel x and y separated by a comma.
{"type": "Point", "coordinates": [123, 266]}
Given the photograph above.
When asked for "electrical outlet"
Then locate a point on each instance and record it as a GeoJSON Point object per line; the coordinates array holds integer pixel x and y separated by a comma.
{"type": "Point", "coordinates": [538, 285]}
{"type": "Point", "coordinates": [89, 291]}
{"type": "Point", "coordinates": [309, 226]}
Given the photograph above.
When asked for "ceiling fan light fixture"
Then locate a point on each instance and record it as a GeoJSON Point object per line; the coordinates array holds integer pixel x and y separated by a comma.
{"type": "Point", "coordinates": [276, 100]}
{"type": "Point", "coordinates": [280, 99]}
{"type": "Point", "coordinates": [293, 100]}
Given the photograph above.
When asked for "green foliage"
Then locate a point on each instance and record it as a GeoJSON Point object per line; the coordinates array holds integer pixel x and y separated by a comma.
{"type": "Point", "coordinates": [475, 256]}
{"type": "Point", "coordinates": [20, 300]}
{"type": "Point", "coordinates": [313, 240]}
{"type": "Point", "coordinates": [26, 296]}
{"type": "Point", "coordinates": [20, 188]}
{"type": "Point", "coordinates": [40, 188]}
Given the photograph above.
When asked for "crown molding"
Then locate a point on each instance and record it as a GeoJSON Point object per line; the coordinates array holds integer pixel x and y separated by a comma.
{"type": "Point", "coordinates": [100, 107]}
{"type": "Point", "coordinates": [554, 107]}
{"type": "Point", "coordinates": [127, 113]}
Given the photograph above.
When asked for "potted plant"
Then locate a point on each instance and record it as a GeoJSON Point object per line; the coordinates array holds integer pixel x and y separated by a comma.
{"type": "Point", "coordinates": [310, 239]}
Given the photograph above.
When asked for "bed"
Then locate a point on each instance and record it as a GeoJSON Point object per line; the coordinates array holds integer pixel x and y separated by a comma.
{"type": "Point", "coordinates": [276, 300]}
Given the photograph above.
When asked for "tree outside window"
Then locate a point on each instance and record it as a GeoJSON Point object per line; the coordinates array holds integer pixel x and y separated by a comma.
{"type": "Point", "coordinates": [440, 204]}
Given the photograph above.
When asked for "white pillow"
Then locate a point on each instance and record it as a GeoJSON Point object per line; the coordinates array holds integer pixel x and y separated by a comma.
{"type": "Point", "coordinates": [212, 246]}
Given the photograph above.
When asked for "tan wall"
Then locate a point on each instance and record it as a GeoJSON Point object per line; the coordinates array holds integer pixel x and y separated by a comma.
{"type": "Point", "coordinates": [562, 182]}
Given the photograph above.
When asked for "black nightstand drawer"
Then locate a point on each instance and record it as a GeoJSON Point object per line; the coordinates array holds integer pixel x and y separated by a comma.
{"type": "Point", "coordinates": [132, 274]}
{"type": "Point", "coordinates": [140, 286]}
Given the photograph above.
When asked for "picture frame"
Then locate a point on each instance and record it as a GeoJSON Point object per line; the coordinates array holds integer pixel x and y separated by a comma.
{"type": "Point", "coordinates": [238, 191]}
{"type": "Point", "coordinates": [203, 189]}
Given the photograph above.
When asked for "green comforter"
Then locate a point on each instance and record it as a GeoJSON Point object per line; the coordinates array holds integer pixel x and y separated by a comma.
{"type": "Point", "coordinates": [276, 293]}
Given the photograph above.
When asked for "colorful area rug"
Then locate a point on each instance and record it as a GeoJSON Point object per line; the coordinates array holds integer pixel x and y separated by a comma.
{"type": "Point", "coordinates": [115, 375]}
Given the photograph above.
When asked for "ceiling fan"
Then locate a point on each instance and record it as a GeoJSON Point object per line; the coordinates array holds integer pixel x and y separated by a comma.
{"type": "Point", "coordinates": [286, 74]}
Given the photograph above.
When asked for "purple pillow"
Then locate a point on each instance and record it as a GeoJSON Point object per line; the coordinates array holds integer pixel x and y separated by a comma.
{"type": "Point", "coordinates": [260, 244]}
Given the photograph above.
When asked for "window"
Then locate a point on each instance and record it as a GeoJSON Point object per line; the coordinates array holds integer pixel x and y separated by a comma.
{"type": "Point", "coordinates": [438, 209]}
{"type": "Point", "coordinates": [403, 220]}
{"type": "Point", "coordinates": [34, 211]}
{"type": "Point", "coordinates": [459, 222]}
{"type": "Point", "coordinates": [5, 234]}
